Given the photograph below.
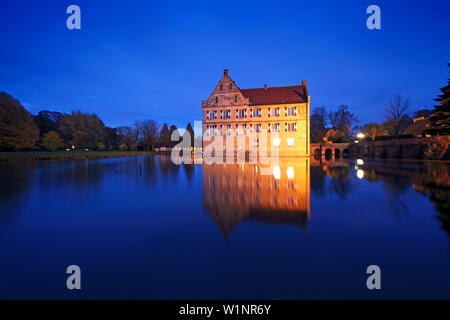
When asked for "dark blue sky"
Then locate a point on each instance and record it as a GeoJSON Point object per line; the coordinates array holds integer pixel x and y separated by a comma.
{"type": "Point", "coordinates": [158, 60]}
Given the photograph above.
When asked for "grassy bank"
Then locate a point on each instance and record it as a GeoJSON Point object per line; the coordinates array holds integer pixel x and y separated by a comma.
{"type": "Point", "coordinates": [67, 155]}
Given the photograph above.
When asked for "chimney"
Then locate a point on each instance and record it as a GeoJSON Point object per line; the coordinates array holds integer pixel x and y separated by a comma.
{"type": "Point", "coordinates": [225, 72]}
{"type": "Point", "coordinates": [304, 83]}
{"type": "Point", "coordinates": [265, 87]}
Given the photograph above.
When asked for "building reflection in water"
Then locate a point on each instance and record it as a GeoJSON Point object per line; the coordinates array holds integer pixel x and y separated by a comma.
{"type": "Point", "coordinates": [233, 193]}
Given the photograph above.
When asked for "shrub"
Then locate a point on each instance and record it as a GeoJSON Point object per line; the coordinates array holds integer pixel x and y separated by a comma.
{"type": "Point", "coordinates": [123, 147]}
{"type": "Point", "coordinates": [52, 141]}
{"type": "Point", "coordinates": [100, 146]}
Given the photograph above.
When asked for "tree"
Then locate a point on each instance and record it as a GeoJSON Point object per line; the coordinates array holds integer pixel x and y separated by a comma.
{"type": "Point", "coordinates": [440, 118]}
{"type": "Point", "coordinates": [112, 140]}
{"type": "Point", "coordinates": [172, 129]}
{"type": "Point", "coordinates": [52, 141]}
{"type": "Point", "coordinates": [148, 133]}
{"type": "Point", "coordinates": [48, 121]}
{"type": "Point", "coordinates": [82, 130]}
{"type": "Point", "coordinates": [164, 136]}
{"type": "Point", "coordinates": [342, 122]}
{"type": "Point", "coordinates": [191, 133]}
{"type": "Point", "coordinates": [127, 137]}
{"type": "Point", "coordinates": [373, 130]}
{"type": "Point", "coordinates": [17, 127]}
{"type": "Point", "coordinates": [397, 115]}
{"type": "Point", "coordinates": [318, 123]}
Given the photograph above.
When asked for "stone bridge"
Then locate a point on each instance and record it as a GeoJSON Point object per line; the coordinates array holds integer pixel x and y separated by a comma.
{"type": "Point", "coordinates": [330, 150]}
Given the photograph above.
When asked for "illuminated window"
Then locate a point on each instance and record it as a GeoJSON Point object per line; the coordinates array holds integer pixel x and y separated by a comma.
{"type": "Point", "coordinates": [290, 172]}
{"type": "Point", "coordinates": [290, 142]}
{"type": "Point", "coordinates": [276, 142]}
{"type": "Point", "coordinates": [276, 172]}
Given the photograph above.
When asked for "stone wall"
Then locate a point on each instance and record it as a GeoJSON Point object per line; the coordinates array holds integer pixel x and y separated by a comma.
{"type": "Point", "coordinates": [434, 148]}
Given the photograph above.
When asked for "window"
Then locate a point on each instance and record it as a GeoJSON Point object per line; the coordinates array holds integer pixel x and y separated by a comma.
{"type": "Point", "coordinates": [276, 142]}
{"type": "Point", "coordinates": [268, 113]}
{"type": "Point", "coordinates": [221, 114]}
{"type": "Point", "coordinates": [256, 113]}
{"type": "Point", "coordinates": [228, 129]}
{"type": "Point", "coordinates": [236, 132]}
{"type": "Point", "coordinates": [274, 127]}
{"type": "Point", "coordinates": [290, 126]}
{"type": "Point", "coordinates": [235, 98]}
{"type": "Point", "coordinates": [217, 99]}
{"type": "Point", "coordinates": [237, 113]}
{"type": "Point", "coordinates": [207, 130]}
{"type": "Point", "coordinates": [243, 113]}
{"type": "Point", "coordinates": [214, 130]}
{"type": "Point", "coordinates": [276, 112]}
{"type": "Point", "coordinates": [227, 114]}
{"type": "Point", "coordinates": [251, 127]}
{"type": "Point", "coordinates": [231, 86]}
{"type": "Point", "coordinates": [244, 127]}
{"type": "Point", "coordinates": [221, 87]}
{"type": "Point", "coordinates": [213, 115]}
{"type": "Point", "coordinates": [207, 115]}
{"type": "Point", "coordinates": [258, 127]}
{"type": "Point", "coordinates": [292, 111]}
{"type": "Point", "coordinates": [290, 142]}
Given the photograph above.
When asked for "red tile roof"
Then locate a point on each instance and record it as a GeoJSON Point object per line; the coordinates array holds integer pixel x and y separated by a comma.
{"type": "Point", "coordinates": [276, 95]}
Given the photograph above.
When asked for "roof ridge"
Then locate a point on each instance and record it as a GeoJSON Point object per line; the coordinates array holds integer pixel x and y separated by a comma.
{"type": "Point", "coordinates": [296, 86]}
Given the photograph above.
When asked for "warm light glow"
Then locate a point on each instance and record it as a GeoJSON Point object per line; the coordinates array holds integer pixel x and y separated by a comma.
{"type": "Point", "coordinates": [276, 172]}
{"type": "Point", "coordinates": [360, 174]}
{"type": "Point", "coordinates": [360, 135]}
{"type": "Point", "coordinates": [256, 169]}
{"type": "Point", "coordinates": [290, 172]}
{"type": "Point", "coordinates": [290, 141]}
{"type": "Point", "coordinates": [276, 142]}
{"type": "Point", "coordinates": [360, 162]}
{"type": "Point", "coordinates": [356, 141]}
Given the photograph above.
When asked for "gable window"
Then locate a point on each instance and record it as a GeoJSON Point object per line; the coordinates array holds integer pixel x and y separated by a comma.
{"type": "Point", "coordinates": [221, 87]}
{"type": "Point", "coordinates": [235, 98]}
{"type": "Point", "coordinates": [231, 86]}
{"type": "Point", "coordinates": [217, 99]}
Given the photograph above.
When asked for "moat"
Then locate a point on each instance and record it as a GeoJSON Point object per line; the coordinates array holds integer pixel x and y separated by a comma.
{"type": "Point", "coordinates": [142, 227]}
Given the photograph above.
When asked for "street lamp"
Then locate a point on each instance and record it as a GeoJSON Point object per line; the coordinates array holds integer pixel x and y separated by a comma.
{"type": "Point", "coordinates": [360, 135]}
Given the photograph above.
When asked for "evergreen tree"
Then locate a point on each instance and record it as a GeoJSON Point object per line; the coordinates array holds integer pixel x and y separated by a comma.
{"type": "Point", "coordinates": [164, 136]}
{"type": "Point", "coordinates": [191, 132]}
{"type": "Point", "coordinates": [171, 130]}
{"type": "Point", "coordinates": [440, 118]}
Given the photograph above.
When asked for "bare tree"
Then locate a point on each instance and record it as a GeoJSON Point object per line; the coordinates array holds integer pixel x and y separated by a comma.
{"type": "Point", "coordinates": [397, 115]}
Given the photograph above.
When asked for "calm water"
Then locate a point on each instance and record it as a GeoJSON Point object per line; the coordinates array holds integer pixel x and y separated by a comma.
{"type": "Point", "coordinates": [146, 228]}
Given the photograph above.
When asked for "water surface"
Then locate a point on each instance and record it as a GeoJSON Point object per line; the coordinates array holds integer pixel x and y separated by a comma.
{"type": "Point", "coordinates": [144, 228]}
